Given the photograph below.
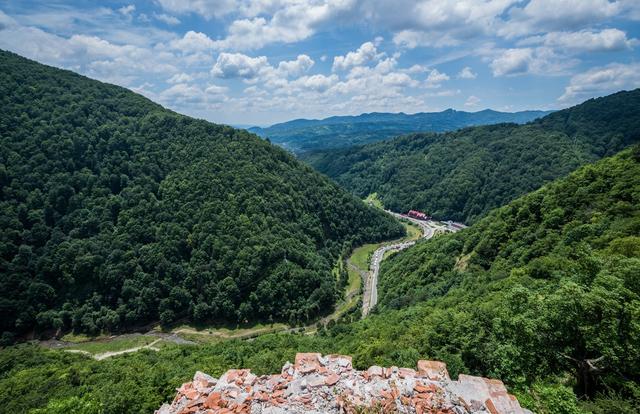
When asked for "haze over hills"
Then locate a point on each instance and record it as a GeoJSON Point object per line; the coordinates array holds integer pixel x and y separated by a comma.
{"type": "Point", "coordinates": [115, 212]}
{"type": "Point", "coordinates": [464, 174]}
{"type": "Point", "coordinates": [302, 135]}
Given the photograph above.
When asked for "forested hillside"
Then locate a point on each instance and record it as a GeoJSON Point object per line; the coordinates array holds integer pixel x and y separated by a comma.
{"type": "Point", "coordinates": [548, 283]}
{"type": "Point", "coordinates": [462, 175]}
{"type": "Point", "coordinates": [115, 212]}
{"type": "Point", "coordinates": [303, 135]}
{"type": "Point", "coordinates": [542, 293]}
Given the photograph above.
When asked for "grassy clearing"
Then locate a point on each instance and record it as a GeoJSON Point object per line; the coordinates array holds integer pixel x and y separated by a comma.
{"type": "Point", "coordinates": [355, 281]}
{"type": "Point", "coordinates": [361, 255]}
{"type": "Point", "coordinates": [372, 199]}
{"type": "Point", "coordinates": [211, 334]}
{"type": "Point", "coordinates": [413, 231]}
{"type": "Point", "coordinates": [81, 338]}
{"type": "Point", "coordinates": [114, 345]}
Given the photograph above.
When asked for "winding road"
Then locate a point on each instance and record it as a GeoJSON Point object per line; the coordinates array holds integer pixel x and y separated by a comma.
{"type": "Point", "coordinates": [370, 295]}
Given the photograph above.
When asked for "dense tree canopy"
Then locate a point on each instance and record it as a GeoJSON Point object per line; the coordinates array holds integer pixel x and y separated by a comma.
{"type": "Point", "coordinates": [115, 212]}
{"type": "Point", "coordinates": [462, 175]}
{"type": "Point", "coordinates": [548, 283]}
{"type": "Point", "coordinates": [542, 293]}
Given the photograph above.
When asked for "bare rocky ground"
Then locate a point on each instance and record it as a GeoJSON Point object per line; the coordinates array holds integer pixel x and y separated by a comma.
{"type": "Point", "coordinates": [329, 384]}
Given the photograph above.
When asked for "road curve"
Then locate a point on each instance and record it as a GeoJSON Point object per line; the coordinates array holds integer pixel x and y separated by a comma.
{"type": "Point", "coordinates": [370, 295]}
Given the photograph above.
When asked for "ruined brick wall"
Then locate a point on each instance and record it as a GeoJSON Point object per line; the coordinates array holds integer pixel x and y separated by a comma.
{"type": "Point", "coordinates": [329, 384]}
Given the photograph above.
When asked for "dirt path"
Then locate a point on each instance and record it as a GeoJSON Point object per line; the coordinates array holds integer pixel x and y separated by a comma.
{"type": "Point", "coordinates": [369, 299]}
{"type": "Point", "coordinates": [105, 355]}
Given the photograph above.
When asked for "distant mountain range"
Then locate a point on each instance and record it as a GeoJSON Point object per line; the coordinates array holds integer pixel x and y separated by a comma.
{"type": "Point", "coordinates": [464, 174]}
{"type": "Point", "coordinates": [302, 135]}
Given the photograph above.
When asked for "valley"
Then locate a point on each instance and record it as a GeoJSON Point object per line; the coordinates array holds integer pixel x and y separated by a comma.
{"type": "Point", "coordinates": [429, 229]}
{"type": "Point", "coordinates": [362, 287]}
{"type": "Point", "coordinates": [139, 246]}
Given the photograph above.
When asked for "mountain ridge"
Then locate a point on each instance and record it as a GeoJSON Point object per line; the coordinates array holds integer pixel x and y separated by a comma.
{"type": "Point", "coordinates": [302, 135]}
{"type": "Point", "coordinates": [115, 212]}
{"type": "Point", "coordinates": [461, 175]}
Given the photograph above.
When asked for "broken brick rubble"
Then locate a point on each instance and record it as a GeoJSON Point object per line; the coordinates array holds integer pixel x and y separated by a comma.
{"type": "Point", "coordinates": [329, 384]}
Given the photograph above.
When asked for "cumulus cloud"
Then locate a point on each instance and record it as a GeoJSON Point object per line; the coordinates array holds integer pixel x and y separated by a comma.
{"type": "Point", "coordinates": [538, 61]}
{"type": "Point", "coordinates": [165, 18]}
{"type": "Point", "coordinates": [413, 23]}
{"type": "Point", "coordinates": [193, 42]}
{"type": "Point", "coordinates": [366, 53]}
{"type": "Point", "coordinates": [291, 22]}
{"type": "Point", "coordinates": [513, 62]}
{"type": "Point", "coordinates": [435, 78]}
{"type": "Point", "coordinates": [584, 41]}
{"type": "Point", "coordinates": [237, 65]}
{"type": "Point", "coordinates": [472, 101]}
{"type": "Point", "coordinates": [317, 83]}
{"type": "Point", "coordinates": [544, 15]}
{"type": "Point", "coordinates": [91, 55]}
{"type": "Point", "coordinates": [193, 95]}
{"type": "Point", "coordinates": [180, 78]}
{"type": "Point", "coordinates": [295, 67]}
{"type": "Point", "coordinates": [127, 10]}
{"type": "Point", "coordinates": [439, 23]}
{"type": "Point", "coordinates": [467, 73]}
{"type": "Point", "coordinates": [205, 8]}
{"type": "Point", "coordinates": [601, 81]}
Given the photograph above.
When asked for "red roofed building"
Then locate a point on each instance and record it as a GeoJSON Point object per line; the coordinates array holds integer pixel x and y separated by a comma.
{"type": "Point", "coordinates": [418, 215]}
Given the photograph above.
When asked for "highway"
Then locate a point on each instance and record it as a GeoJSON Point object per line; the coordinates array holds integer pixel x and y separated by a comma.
{"type": "Point", "coordinates": [370, 295]}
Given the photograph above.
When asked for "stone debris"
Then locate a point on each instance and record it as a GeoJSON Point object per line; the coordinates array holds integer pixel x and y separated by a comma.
{"type": "Point", "coordinates": [317, 384]}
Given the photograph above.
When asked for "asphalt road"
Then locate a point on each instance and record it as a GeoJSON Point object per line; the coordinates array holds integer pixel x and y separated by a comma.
{"type": "Point", "coordinates": [370, 295]}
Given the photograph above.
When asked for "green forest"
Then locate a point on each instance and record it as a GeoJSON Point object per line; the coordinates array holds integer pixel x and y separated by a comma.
{"type": "Point", "coordinates": [463, 175]}
{"type": "Point", "coordinates": [542, 293]}
{"type": "Point", "coordinates": [115, 212]}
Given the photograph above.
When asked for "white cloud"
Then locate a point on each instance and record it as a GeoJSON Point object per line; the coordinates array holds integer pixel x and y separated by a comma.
{"type": "Point", "coordinates": [180, 78]}
{"type": "Point", "coordinates": [192, 42]}
{"type": "Point", "coordinates": [190, 95]}
{"type": "Point", "coordinates": [467, 73]}
{"type": "Point", "coordinates": [414, 38]}
{"type": "Point", "coordinates": [537, 61]}
{"type": "Point", "coordinates": [584, 41]}
{"type": "Point", "coordinates": [513, 62]}
{"type": "Point", "coordinates": [237, 65]}
{"type": "Point", "coordinates": [165, 18]}
{"type": "Point", "coordinates": [210, 9]}
{"type": "Point", "coordinates": [435, 78]}
{"type": "Point", "coordinates": [439, 23]}
{"type": "Point", "coordinates": [543, 15]}
{"type": "Point", "coordinates": [127, 10]}
{"type": "Point", "coordinates": [601, 81]}
{"type": "Point", "coordinates": [416, 69]}
{"type": "Point", "coordinates": [472, 101]}
{"type": "Point", "coordinates": [295, 67]}
{"type": "Point", "coordinates": [399, 79]}
{"type": "Point", "coordinates": [317, 83]}
{"type": "Point", "coordinates": [366, 53]}
{"type": "Point", "coordinates": [205, 8]}
{"type": "Point", "coordinates": [292, 21]}
{"type": "Point", "coordinates": [630, 9]}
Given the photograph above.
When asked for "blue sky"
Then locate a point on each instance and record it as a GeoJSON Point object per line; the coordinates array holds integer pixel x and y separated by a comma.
{"type": "Point", "coordinates": [265, 61]}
